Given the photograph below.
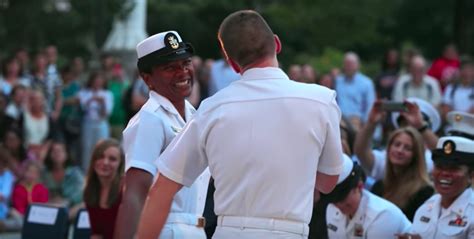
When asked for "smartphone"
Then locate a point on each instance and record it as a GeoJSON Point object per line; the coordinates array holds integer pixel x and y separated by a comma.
{"type": "Point", "coordinates": [391, 106]}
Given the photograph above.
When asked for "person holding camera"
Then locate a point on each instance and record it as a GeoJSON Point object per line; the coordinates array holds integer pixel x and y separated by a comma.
{"type": "Point", "coordinates": [402, 161]}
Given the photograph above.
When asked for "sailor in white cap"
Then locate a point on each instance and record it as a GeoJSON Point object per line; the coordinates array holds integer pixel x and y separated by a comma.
{"type": "Point", "coordinates": [164, 63]}
{"type": "Point", "coordinates": [450, 213]}
{"type": "Point", "coordinates": [460, 124]}
{"type": "Point", "coordinates": [354, 212]}
{"type": "Point", "coordinates": [269, 142]}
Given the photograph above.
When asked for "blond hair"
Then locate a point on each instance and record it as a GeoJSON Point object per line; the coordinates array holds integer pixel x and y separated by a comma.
{"type": "Point", "coordinates": [396, 186]}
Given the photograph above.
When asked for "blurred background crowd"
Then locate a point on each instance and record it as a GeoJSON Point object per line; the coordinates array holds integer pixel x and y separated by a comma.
{"type": "Point", "coordinates": [52, 116]}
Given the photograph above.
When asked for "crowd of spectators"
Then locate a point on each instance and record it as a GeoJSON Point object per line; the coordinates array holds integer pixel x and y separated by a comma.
{"type": "Point", "coordinates": [54, 119]}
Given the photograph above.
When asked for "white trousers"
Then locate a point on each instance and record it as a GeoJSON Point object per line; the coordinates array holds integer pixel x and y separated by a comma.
{"type": "Point", "coordinates": [223, 232]}
{"type": "Point", "coordinates": [182, 226]}
{"type": "Point", "coordinates": [230, 227]}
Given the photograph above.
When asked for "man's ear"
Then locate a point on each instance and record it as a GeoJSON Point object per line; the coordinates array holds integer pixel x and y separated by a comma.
{"type": "Point", "coordinates": [277, 44]}
{"type": "Point", "coordinates": [234, 65]}
{"type": "Point", "coordinates": [146, 78]}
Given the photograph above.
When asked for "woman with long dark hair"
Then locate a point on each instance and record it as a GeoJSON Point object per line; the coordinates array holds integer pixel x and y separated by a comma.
{"type": "Point", "coordinates": [402, 162]}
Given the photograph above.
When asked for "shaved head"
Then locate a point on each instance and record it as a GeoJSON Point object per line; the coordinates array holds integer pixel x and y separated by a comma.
{"type": "Point", "coordinates": [245, 37]}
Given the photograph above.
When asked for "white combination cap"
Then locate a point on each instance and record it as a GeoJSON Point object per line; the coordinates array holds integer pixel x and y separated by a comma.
{"type": "Point", "coordinates": [461, 124]}
{"type": "Point", "coordinates": [429, 113]}
{"type": "Point", "coordinates": [162, 48]}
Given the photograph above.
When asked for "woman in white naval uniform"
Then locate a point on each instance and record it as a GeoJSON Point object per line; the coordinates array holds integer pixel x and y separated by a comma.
{"type": "Point", "coordinates": [354, 212]}
{"type": "Point", "coordinates": [450, 213]}
{"type": "Point", "coordinates": [165, 65]}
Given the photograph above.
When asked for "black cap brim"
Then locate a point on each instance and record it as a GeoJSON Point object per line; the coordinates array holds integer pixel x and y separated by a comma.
{"type": "Point", "coordinates": [340, 192]}
{"type": "Point", "coordinates": [439, 157]}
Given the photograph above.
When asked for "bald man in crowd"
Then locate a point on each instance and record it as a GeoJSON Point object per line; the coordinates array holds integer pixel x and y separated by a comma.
{"type": "Point", "coordinates": [417, 84]}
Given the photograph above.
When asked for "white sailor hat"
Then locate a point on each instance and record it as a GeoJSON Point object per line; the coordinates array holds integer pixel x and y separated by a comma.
{"type": "Point", "coordinates": [460, 124]}
{"type": "Point", "coordinates": [454, 150]}
{"type": "Point", "coordinates": [430, 114]}
{"type": "Point", "coordinates": [162, 48]}
{"type": "Point", "coordinates": [348, 179]}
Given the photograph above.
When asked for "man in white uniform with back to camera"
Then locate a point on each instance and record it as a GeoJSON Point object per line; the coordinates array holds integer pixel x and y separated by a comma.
{"type": "Point", "coordinates": [269, 143]}
{"type": "Point", "coordinates": [164, 63]}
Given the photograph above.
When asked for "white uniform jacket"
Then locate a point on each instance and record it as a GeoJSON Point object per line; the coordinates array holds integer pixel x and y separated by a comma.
{"type": "Point", "coordinates": [457, 221]}
{"type": "Point", "coordinates": [147, 135]}
{"type": "Point", "coordinates": [264, 138]}
{"type": "Point", "coordinates": [375, 218]}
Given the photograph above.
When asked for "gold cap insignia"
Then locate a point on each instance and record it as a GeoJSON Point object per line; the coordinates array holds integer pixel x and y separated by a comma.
{"type": "Point", "coordinates": [448, 147]}
{"type": "Point", "coordinates": [173, 42]}
{"type": "Point", "coordinates": [457, 117]}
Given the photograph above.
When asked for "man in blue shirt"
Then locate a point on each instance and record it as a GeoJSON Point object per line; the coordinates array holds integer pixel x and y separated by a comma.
{"type": "Point", "coordinates": [355, 91]}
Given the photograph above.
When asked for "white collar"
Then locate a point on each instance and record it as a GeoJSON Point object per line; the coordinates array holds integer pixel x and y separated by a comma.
{"type": "Point", "coordinates": [264, 73]}
{"type": "Point", "coordinates": [459, 205]}
{"type": "Point", "coordinates": [166, 104]}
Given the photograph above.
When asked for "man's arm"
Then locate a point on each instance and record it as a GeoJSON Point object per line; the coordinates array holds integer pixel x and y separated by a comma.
{"type": "Point", "coordinates": [157, 207]}
{"type": "Point", "coordinates": [325, 183]}
{"type": "Point", "coordinates": [330, 161]}
{"type": "Point", "coordinates": [362, 143]}
{"type": "Point", "coordinates": [137, 184]}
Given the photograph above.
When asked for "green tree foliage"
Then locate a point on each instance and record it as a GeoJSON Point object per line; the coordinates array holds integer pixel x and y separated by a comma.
{"type": "Point", "coordinates": [305, 26]}
{"type": "Point", "coordinates": [34, 24]}
{"type": "Point", "coordinates": [308, 28]}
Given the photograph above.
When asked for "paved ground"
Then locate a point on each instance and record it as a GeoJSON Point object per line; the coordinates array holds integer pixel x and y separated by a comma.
{"type": "Point", "coordinates": [17, 235]}
{"type": "Point", "coordinates": [10, 235]}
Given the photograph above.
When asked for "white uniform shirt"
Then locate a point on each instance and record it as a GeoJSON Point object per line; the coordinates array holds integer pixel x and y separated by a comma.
{"type": "Point", "coordinates": [264, 137]}
{"type": "Point", "coordinates": [461, 100]}
{"type": "Point", "coordinates": [374, 219]}
{"type": "Point", "coordinates": [457, 221]}
{"type": "Point", "coordinates": [147, 135]}
{"type": "Point", "coordinates": [380, 162]}
{"type": "Point", "coordinates": [429, 90]}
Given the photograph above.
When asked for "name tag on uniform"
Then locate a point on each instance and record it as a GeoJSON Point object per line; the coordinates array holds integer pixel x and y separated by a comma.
{"type": "Point", "coordinates": [425, 219]}
{"type": "Point", "coordinates": [332, 227]}
{"type": "Point", "coordinates": [458, 222]}
{"type": "Point", "coordinates": [358, 230]}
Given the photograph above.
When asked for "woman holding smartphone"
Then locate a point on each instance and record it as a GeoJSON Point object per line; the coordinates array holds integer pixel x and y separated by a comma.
{"type": "Point", "coordinates": [402, 162]}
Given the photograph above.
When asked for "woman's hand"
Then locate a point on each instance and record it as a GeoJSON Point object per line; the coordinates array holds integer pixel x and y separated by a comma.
{"type": "Point", "coordinates": [413, 115]}
{"type": "Point", "coordinates": [376, 114]}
